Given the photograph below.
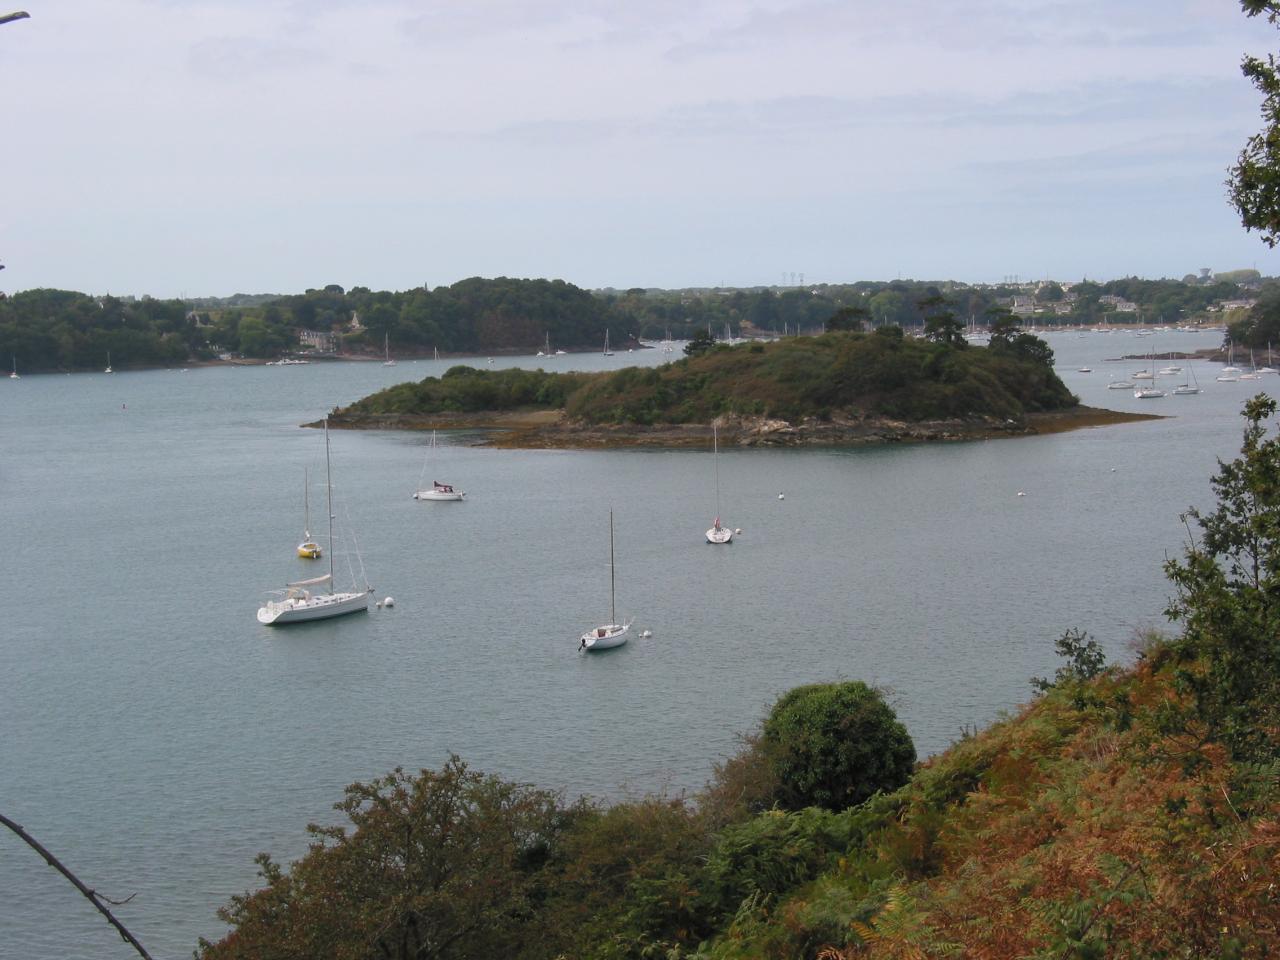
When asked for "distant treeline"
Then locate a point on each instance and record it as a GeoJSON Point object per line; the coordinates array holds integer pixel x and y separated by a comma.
{"type": "Point", "coordinates": [64, 330]}
{"type": "Point", "coordinates": [877, 374]}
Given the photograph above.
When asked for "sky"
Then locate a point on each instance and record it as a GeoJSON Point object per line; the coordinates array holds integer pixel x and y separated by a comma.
{"type": "Point", "coordinates": [191, 148]}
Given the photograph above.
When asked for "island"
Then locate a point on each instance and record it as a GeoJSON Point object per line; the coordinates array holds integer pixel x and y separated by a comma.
{"type": "Point", "coordinates": [842, 388]}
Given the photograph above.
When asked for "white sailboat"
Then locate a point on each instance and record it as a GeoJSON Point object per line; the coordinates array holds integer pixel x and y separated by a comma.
{"type": "Point", "coordinates": [386, 350]}
{"type": "Point", "coordinates": [1229, 373]}
{"type": "Point", "coordinates": [108, 370]}
{"type": "Point", "coordinates": [308, 549]}
{"type": "Point", "coordinates": [718, 533]}
{"type": "Point", "coordinates": [611, 634]}
{"type": "Point", "coordinates": [1253, 373]}
{"type": "Point", "coordinates": [607, 351]}
{"type": "Point", "coordinates": [437, 490]}
{"type": "Point", "coordinates": [14, 375]}
{"type": "Point", "coordinates": [298, 601]}
{"type": "Point", "coordinates": [1190, 388]}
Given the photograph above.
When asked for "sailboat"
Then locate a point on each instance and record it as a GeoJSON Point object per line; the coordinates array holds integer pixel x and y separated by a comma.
{"type": "Point", "coordinates": [108, 370]}
{"type": "Point", "coordinates": [546, 351]}
{"type": "Point", "coordinates": [14, 375]}
{"type": "Point", "coordinates": [607, 351]}
{"type": "Point", "coordinates": [717, 533]}
{"type": "Point", "coordinates": [298, 601]}
{"type": "Point", "coordinates": [437, 490]}
{"type": "Point", "coordinates": [1253, 373]}
{"type": "Point", "coordinates": [1228, 373]}
{"type": "Point", "coordinates": [308, 549]}
{"type": "Point", "coordinates": [1187, 389]}
{"type": "Point", "coordinates": [611, 634]}
{"type": "Point", "coordinates": [386, 349]}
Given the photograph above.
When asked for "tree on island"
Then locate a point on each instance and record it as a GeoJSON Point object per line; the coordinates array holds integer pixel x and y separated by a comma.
{"type": "Point", "coordinates": [940, 322]}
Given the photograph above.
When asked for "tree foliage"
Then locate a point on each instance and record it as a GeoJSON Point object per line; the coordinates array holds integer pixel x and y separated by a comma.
{"type": "Point", "coordinates": [834, 745]}
{"type": "Point", "coordinates": [1228, 592]}
{"type": "Point", "coordinates": [1254, 182]}
{"type": "Point", "coordinates": [444, 864]}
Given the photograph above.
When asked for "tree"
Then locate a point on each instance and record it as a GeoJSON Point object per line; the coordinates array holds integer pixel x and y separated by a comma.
{"type": "Point", "coordinates": [699, 343]}
{"type": "Point", "coordinates": [848, 318]}
{"type": "Point", "coordinates": [1003, 325]}
{"type": "Point", "coordinates": [940, 323]}
{"type": "Point", "coordinates": [1228, 593]}
{"type": "Point", "coordinates": [440, 865]}
{"type": "Point", "coordinates": [834, 745]}
{"type": "Point", "coordinates": [1254, 182]}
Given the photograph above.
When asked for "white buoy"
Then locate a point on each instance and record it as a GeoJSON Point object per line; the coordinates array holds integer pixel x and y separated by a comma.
{"type": "Point", "coordinates": [646, 633]}
{"type": "Point", "coordinates": [781, 497]}
{"type": "Point", "coordinates": [1021, 494]}
{"type": "Point", "coordinates": [389, 602]}
{"type": "Point", "coordinates": [737, 531]}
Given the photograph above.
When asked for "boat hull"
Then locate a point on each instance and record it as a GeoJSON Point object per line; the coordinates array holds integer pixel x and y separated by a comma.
{"type": "Point", "coordinates": [437, 495]}
{"type": "Point", "coordinates": [318, 607]}
{"type": "Point", "coordinates": [606, 637]}
{"type": "Point", "coordinates": [719, 535]}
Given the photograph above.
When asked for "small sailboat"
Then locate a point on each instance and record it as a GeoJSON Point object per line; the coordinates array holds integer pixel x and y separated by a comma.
{"type": "Point", "coordinates": [308, 549]}
{"type": "Point", "coordinates": [437, 490]}
{"type": "Point", "coordinates": [386, 350]}
{"type": "Point", "coordinates": [718, 532]}
{"type": "Point", "coordinates": [1253, 373]}
{"type": "Point", "coordinates": [299, 601]}
{"type": "Point", "coordinates": [1120, 385]}
{"type": "Point", "coordinates": [14, 375]}
{"type": "Point", "coordinates": [546, 350]}
{"type": "Point", "coordinates": [108, 370]}
{"type": "Point", "coordinates": [1229, 373]}
{"type": "Point", "coordinates": [611, 634]}
{"type": "Point", "coordinates": [607, 351]}
{"type": "Point", "coordinates": [1189, 388]}
{"type": "Point", "coordinates": [1149, 392]}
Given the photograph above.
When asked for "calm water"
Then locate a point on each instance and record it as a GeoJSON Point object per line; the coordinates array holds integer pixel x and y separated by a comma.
{"type": "Point", "coordinates": [155, 737]}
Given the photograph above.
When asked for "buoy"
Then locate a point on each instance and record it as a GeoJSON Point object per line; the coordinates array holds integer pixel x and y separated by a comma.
{"type": "Point", "coordinates": [646, 633]}
{"type": "Point", "coordinates": [1021, 494]}
{"type": "Point", "coordinates": [781, 497]}
{"type": "Point", "coordinates": [737, 531]}
{"type": "Point", "coordinates": [389, 602]}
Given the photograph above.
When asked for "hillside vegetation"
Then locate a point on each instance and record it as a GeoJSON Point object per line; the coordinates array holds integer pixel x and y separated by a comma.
{"type": "Point", "coordinates": [1129, 813]}
{"type": "Point", "coordinates": [881, 374]}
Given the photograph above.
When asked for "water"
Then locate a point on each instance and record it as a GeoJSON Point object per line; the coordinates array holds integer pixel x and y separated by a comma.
{"type": "Point", "coordinates": [156, 737]}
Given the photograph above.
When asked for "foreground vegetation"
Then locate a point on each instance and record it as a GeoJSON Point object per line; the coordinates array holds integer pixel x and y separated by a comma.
{"type": "Point", "coordinates": [1122, 813]}
{"type": "Point", "coordinates": [881, 374]}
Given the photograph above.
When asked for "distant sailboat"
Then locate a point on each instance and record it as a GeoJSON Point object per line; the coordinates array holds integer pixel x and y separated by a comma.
{"type": "Point", "coordinates": [298, 602]}
{"type": "Point", "coordinates": [1190, 388]}
{"type": "Point", "coordinates": [14, 375]}
{"type": "Point", "coordinates": [607, 351]}
{"type": "Point", "coordinates": [308, 549]}
{"type": "Point", "coordinates": [386, 349]}
{"type": "Point", "coordinates": [108, 370]}
{"type": "Point", "coordinates": [718, 533]}
{"type": "Point", "coordinates": [613, 633]}
{"type": "Point", "coordinates": [437, 490]}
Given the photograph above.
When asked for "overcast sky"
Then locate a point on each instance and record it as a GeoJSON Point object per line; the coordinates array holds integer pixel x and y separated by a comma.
{"type": "Point", "coordinates": [177, 147]}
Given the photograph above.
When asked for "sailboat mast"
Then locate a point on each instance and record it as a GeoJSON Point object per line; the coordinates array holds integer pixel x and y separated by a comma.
{"type": "Point", "coordinates": [328, 486]}
{"type": "Point", "coordinates": [613, 613]}
{"type": "Point", "coordinates": [715, 458]}
{"type": "Point", "coordinates": [306, 504]}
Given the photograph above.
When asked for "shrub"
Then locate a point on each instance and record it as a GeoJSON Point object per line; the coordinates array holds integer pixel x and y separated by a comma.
{"type": "Point", "coordinates": [835, 745]}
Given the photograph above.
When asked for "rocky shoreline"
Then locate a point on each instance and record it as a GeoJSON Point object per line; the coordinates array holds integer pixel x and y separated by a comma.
{"type": "Point", "coordinates": [550, 429]}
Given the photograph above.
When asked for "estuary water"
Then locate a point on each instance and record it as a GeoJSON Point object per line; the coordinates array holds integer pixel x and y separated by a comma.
{"type": "Point", "coordinates": [155, 737]}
